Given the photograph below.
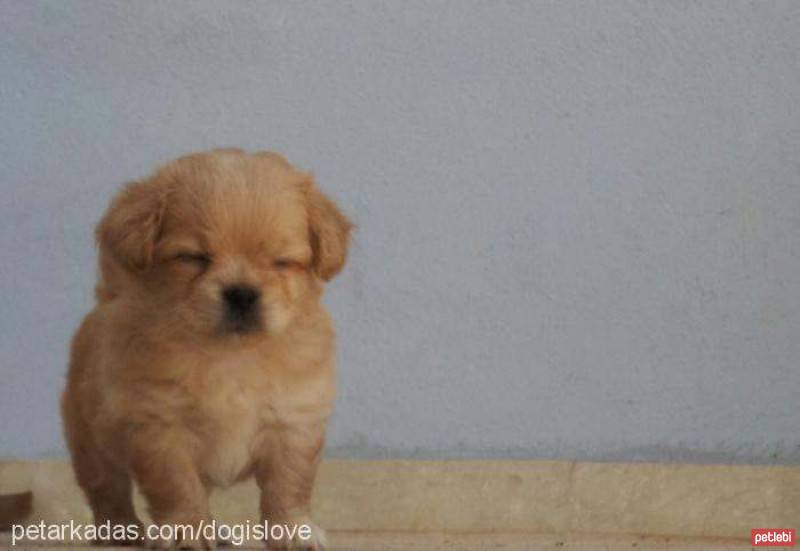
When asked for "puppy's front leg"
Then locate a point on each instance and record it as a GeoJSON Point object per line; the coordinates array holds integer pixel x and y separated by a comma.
{"type": "Point", "coordinates": [163, 466]}
{"type": "Point", "coordinates": [285, 473]}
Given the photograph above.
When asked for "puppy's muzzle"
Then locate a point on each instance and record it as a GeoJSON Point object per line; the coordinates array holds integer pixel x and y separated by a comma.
{"type": "Point", "coordinates": [242, 308]}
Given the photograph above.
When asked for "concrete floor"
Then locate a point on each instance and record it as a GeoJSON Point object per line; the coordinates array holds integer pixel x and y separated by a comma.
{"type": "Point", "coordinates": [343, 541]}
{"type": "Point", "coordinates": [527, 497]}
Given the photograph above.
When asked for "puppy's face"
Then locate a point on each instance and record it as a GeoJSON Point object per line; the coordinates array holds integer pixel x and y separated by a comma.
{"type": "Point", "coordinates": [222, 244]}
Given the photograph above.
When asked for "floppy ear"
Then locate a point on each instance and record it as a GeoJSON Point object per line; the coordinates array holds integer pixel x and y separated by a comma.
{"type": "Point", "coordinates": [128, 231]}
{"type": "Point", "coordinates": [329, 231]}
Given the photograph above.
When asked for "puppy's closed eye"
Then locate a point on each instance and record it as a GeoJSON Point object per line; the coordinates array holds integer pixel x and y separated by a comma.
{"type": "Point", "coordinates": [195, 258]}
{"type": "Point", "coordinates": [283, 264]}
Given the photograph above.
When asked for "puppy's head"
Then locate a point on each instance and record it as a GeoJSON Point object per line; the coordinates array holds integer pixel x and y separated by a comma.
{"type": "Point", "coordinates": [222, 244]}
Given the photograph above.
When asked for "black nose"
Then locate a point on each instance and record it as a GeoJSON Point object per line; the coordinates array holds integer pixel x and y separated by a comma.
{"type": "Point", "coordinates": [240, 299]}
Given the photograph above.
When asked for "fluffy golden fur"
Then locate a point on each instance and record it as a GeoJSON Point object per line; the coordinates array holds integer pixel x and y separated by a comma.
{"type": "Point", "coordinates": [208, 357]}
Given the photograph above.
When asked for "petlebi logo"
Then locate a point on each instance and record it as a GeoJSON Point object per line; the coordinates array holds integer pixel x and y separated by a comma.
{"type": "Point", "coordinates": [772, 537]}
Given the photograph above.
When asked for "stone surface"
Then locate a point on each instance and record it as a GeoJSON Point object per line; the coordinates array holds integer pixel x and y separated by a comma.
{"type": "Point", "coordinates": [342, 541]}
{"type": "Point", "coordinates": [496, 496]}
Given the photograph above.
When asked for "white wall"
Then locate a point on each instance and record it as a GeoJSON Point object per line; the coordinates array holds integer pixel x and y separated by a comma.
{"type": "Point", "coordinates": [579, 222]}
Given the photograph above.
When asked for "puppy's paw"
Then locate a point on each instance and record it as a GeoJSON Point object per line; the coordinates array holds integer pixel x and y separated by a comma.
{"type": "Point", "coordinates": [116, 542]}
{"type": "Point", "coordinates": [172, 544]}
{"type": "Point", "coordinates": [299, 540]}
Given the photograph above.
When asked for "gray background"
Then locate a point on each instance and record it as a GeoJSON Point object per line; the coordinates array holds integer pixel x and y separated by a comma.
{"type": "Point", "coordinates": [579, 222]}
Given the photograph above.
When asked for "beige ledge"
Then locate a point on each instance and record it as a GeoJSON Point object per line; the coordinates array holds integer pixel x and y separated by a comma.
{"type": "Point", "coordinates": [544, 497]}
{"type": "Point", "coordinates": [409, 541]}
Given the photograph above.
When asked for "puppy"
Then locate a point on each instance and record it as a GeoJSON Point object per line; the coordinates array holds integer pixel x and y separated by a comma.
{"type": "Point", "coordinates": [208, 357]}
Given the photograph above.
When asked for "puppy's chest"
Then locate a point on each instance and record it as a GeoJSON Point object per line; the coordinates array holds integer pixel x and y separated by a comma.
{"type": "Point", "coordinates": [229, 414]}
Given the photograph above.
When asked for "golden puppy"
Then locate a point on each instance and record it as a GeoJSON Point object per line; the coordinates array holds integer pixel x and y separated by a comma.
{"type": "Point", "coordinates": [208, 357]}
